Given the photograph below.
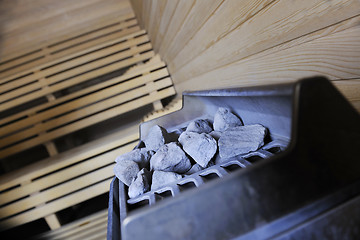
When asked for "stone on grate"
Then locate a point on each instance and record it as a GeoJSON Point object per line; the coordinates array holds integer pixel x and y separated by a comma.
{"type": "Point", "coordinates": [170, 158]}
{"type": "Point", "coordinates": [241, 140]}
{"type": "Point", "coordinates": [126, 171]}
{"type": "Point", "coordinates": [161, 179]}
{"type": "Point", "coordinates": [201, 147]}
{"type": "Point", "coordinates": [140, 184]}
{"type": "Point", "coordinates": [224, 119]}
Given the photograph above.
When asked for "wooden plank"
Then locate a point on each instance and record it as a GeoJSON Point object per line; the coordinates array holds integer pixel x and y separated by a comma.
{"type": "Point", "coordinates": [68, 57]}
{"type": "Point", "coordinates": [52, 221]}
{"type": "Point", "coordinates": [137, 7]}
{"type": "Point", "coordinates": [55, 178]}
{"type": "Point", "coordinates": [71, 63]}
{"type": "Point", "coordinates": [182, 10]}
{"type": "Point", "coordinates": [95, 99]}
{"type": "Point", "coordinates": [21, 15]}
{"type": "Point", "coordinates": [100, 225]}
{"type": "Point", "coordinates": [277, 23]}
{"type": "Point", "coordinates": [157, 9]}
{"type": "Point", "coordinates": [57, 205]}
{"type": "Point", "coordinates": [168, 13]}
{"type": "Point", "coordinates": [89, 121]}
{"type": "Point", "coordinates": [154, 63]}
{"type": "Point", "coordinates": [57, 26]}
{"type": "Point", "coordinates": [94, 233]}
{"type": "Point", "coordinates": [335, 54]}
{"type": "Point", "coordinates": [95, 108]}
{"type": "Point", "coordinates": [86, 76]}
{"type": "Point", "coordinates": [93, 35]}
{"type": "Point", "coordinates": [349, 88]}
{"type": "Point", "coordinates": [64, 66]}
{"type": "Point", "coordinates": [146, 13]}
{"type": "Point", "coordinates": [120, 138]}
{"type": "Point", "coordinates": [58, 191]}
{"type": "Point", "coordinates": [81, 102]}
{"type": "Point", "coordinates": [198, 15]}
{"type": "Point", "coordinates": [77, 226]}
{"type": "Point", "coordinates": [24, 63]}
{"type": "Point", "coordinates": [224, 20]}
{"type": "Point", "coordinates": [71, 32]}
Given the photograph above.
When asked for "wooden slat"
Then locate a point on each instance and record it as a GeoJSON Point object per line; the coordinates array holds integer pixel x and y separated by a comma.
{"type": "Point", "coordinates": [22, 13]}
{"type": "Point", "coordinates": [154, 63]}
{"type": "Point", "coordinates": [97, 106]}
{"type": "Point", "coordinates": [198, 15]}
{"type": "Point", "coordinates": [69, 57]}
{"type": "Point", "coordinates": [93, 35]}
{"type": "Point", "coordinates": [64, 66]}
{"type": "Point", "coordinates": [137, 7]}
{"type": "Point", "coordinates": [58, 191]}
{"type": "Point", "coordinates": [95, 118]}
{"type": "Point", "coordinates": [157, 9]}
{"type": "Point", "coordinates": [42, 32]}
{"type": "Point", "coordinates": [224, 20]}
{"type": "Point", "coordinates": [29, 14]}
{"type": "Point", "coordinates": [275, 24]}
{"type": "Point", "coordinates": [336, 56]}
{"type": "Point", "coordinates": [36, 170]}
{"type": "Point", "coordinates": [86, 76]}
{"type": "Point", "coordinates": [56, 178]}
{"type": "Point", "coordinates": [167, 14]}
{"type": "Point", "coordinates": [81, 102]}
{"type": "Point", "coordinates": [182, 10]}
{"type": "Point", "coordinates": [95, 232]}
{"type": "Point", "coordinates": [38, 58]}
{"type": "Point", "coordinates": [57, 205]}
{"type": "Point", "coordinates": [77, 226]}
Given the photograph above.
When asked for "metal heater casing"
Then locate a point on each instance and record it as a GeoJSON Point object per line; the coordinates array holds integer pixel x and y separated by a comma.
{"type": "Point", "coordinates": [311, 190]}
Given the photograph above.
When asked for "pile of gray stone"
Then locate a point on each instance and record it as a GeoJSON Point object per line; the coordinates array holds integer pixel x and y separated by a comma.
{"type": "Point", "coordinates": [167, 157]}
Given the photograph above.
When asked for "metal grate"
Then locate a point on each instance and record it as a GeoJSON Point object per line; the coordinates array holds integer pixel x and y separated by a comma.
{"type": "Point", "coordinates": [214, 172]}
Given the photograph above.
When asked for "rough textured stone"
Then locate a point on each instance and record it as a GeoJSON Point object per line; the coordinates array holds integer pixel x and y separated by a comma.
{"type": "Point", "coordinates": [157, 137]}
{"type": "Point", "coordinates": [141, 156]}
{"type": "Point", "coordinates": [194, 169]}
{"type": "Point", "coordinates": [161, 179]}
{"type": "Point", "coordinates": [126, 170]}
{"type": "Point", "coordinates": [140, 184]}
{"type": "Point", "coordinates": [170, 158]}
{"type": "Point", "coordinates": [215, 135]}
{"type": "Point", "coordinates": [199, 126]}
{"type": "Point", "coordinates": [224, 119]}
{"type": "Point", "coordinates": [241, 140]}
{"type": "Point", "coordinates": [201, 147]}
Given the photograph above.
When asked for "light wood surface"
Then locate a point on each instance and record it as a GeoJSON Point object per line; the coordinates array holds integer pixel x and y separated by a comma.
{"type": "Point", "coordinates": [69, 63]}
{"type": "Point", "coordinates": [29, 26]}
{"type": "Point", "coordinates": [241, 43]}
{"type": "Point", "coordinates": [77, 228]}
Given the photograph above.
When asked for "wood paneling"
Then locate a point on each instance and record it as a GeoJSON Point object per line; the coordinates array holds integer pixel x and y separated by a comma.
{"type": "Point", "coordinates": [241, 43]}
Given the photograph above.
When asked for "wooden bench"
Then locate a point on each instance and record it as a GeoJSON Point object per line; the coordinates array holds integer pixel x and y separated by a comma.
{"type": "Point", "coordinates": [90, 227]}
{"type": "Point", "coordinates": [65, 179]}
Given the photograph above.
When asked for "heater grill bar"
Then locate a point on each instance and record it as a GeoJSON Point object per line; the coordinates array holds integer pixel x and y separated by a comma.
{"type": "Point", "coordinates": [219, 170]}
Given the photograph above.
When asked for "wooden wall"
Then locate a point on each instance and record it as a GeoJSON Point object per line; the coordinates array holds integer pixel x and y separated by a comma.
{"type": "Point", "coordinates": [225, 43]}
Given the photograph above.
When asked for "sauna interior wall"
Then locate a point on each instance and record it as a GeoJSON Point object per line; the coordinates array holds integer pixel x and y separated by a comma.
{"type": "Point", "coordinates": [226, 43]}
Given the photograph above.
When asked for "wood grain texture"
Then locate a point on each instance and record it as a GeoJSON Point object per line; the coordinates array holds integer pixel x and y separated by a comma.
{"type": "Point", "coordinates": [182, 10]}
{"type": "Point", "coordinates": [198, 15]}
{"type": "Point", "coordinates": [28, 26]}
{"type": "Point", "coordinates": [246, 42]}
{"type": "Point", "coordinates": [277, 23]}
{"type": "Point", "coordinates": [336, 56]}
{"type": "Point", "coordinates": [223, 21]}
{"type": "Point", "coordinates": [167, 14]}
